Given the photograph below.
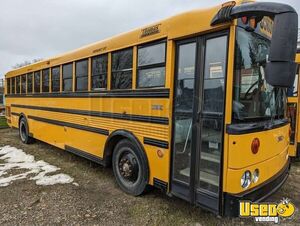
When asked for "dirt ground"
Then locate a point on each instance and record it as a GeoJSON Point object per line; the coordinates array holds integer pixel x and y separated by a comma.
{"type": "Point", "coordinates": [98, 201]}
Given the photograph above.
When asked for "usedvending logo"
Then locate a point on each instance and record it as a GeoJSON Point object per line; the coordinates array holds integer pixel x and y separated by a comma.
{"type": "Point", "coordinates": [267, 212]}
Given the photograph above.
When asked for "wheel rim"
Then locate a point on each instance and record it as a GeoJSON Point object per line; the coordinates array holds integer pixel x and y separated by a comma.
{"type": "Point", "coordinates": [23, 131]}
{"type": "Point", "coordinates": [128, 167]}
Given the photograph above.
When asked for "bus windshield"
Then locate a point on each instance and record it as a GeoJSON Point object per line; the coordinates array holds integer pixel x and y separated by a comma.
{"type": "Point", "coordinates": [253, 98]}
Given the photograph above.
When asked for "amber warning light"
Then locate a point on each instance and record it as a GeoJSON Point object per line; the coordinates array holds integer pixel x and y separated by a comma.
{"type": "Point", "coordinates": [255, 146]}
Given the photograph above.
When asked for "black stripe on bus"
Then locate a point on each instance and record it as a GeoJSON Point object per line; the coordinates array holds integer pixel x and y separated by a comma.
{"type": "Point", "coordinates": [15, 114]}
{"type": "Point", "coordinates": [84, 154]}
{"type": "Point", "coordinates": [138, 118]}
{"type": "Point", "coordinates": [71, 125]}
{"type": "Point", "coordinates": [156, 143]}
{"type": "Point", "coordinates": [157, 93]}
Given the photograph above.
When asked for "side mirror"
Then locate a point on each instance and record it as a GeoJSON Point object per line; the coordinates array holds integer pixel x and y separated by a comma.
{"type": "Point", "coordinates": [281, 68]}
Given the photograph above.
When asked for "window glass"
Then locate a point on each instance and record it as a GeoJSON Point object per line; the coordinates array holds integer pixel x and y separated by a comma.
{"type": "Point", "coordinates": [8, 85]}
{"type": "Point", "coordinates": [183, 111]}
{"type": "Point", "coordinates": [37, 82]}
{"type": "Point", "coordinates": [23, 83]}
{"type": "Point", "coordinates": [18, 84]}
{"type": "Point", "coordinates": [151, 66]}
{"type": "Point", "coordinates": [99, 72]}
{"type": "Point", "coordinates": [68, 77]}
{"type": "Point", "coordinates": [151, 77]}
{"type": "Point", "coordinates": [45, 87]}
{"type": "Point", "coordinates": [55, 74]}
{"type": "Point", "coordinates": [122, 69]}
{"type": "Point", "coordinates": [29, 83]}
{"type": "Point", "coordinates": [82, 75]}
{"type": "Point", "coordinates": [13, 86]}
{"type": "Point", "coordinates": [215, 69]}
{"type": "Point", "coordinates": [293, 91]}
{"type": "Point", "coordinates": [154, 54]}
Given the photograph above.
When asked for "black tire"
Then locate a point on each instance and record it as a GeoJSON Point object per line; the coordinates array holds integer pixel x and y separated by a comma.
{"type": "Point", "coordinates": [24, 132]}
{"type": "Point", "coordinates": [132, 178]}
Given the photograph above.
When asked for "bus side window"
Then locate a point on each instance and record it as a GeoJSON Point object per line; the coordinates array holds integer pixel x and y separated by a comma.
{"type": "Point", "coordinates": [55, 79]}
{"type": "Point", "coordinates": [99, 72]}
{"type": "Point", "coordinates": [13, 85]}
{"type": "Point", "coordinates": [45, 81]}
{"type": "Point", "coordinates": [23, 84]}
{"type": "Point", "coordinates": [8, 85]}
{"type": "Point", "coordinates": [18, 82]}
{"type": "Point", "coordinates": [151, 65]}
{"type": "Point", "coordinates": [29, 82]}
{"type": "Point", "coordinates": [67, 77]}
{"type": "Point", "coordinates": [37, 82]}
{"type": "Point", "coordinates": [122, 69]}
{"type": "Point", "coordinates": [81, 75]}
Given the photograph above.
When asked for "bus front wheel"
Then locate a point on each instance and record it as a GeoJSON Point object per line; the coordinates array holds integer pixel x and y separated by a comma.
{"type": "Point", "coordinates": [24, 131]}
{"type": "Point", "coordinates": [130, 168]}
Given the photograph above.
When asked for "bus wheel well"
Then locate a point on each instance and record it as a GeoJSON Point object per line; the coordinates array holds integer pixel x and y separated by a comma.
{"type": "Point", "coordinates": [113, 139]}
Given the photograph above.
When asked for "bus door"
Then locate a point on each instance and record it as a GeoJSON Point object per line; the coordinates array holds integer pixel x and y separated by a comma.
{"type": "Point", "coordinates": [198, 119]}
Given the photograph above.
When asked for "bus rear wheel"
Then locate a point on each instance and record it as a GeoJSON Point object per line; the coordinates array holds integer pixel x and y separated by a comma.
{"type": "Point", "coordinates": [24, 132]}
{"type": "Point", "coordinates": [130, 168]}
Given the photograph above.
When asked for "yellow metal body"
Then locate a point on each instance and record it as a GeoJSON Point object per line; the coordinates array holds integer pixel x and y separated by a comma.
{"type": "Point", "coordinates": [238, 157]}
{"type": "Point", "coordinates": [296, 101]}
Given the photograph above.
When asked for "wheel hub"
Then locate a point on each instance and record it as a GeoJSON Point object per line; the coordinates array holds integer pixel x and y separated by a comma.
{"type": "Point", "coordinates": [128, 167]}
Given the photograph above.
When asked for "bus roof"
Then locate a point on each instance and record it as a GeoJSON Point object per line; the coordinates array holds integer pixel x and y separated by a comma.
{"type": "Point", "coordinates": [187, 24]}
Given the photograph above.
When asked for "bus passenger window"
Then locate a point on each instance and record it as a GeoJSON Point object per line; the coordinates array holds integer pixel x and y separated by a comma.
{"type": "Point", "coordinates": [67, 77]}
{"type": "Point", "coordinates": [45, 81]}
{"type": "Point", "coordinates": [23, 84]}
{"type": "Point", "coordinates": [82, 75]}
{"type": "Point", "coordinates": [18, 81]}
{"type": "Point", "coordinates": [99, 72]}
{"type": "Point", "coordinates": [29, 83]}
{"type": "Point", "coordinates": [122, 69]}
{"type": "Point", "coordinates": [13, 85]}
{"type": "Point", "coordinates": [55, 77]}
{"type": "Point", "coordinates": [151, 66]}
{"type": "Point", "coordinates": [8, 85]}
{"type": "Point", "coordinates": [37, 82]}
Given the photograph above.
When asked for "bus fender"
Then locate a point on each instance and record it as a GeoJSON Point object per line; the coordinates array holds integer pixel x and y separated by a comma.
{"type": "Point", "coordinates": [114, 138]}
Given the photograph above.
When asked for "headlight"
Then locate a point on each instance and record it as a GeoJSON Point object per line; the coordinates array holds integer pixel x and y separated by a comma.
{"type": "Point", "coordinates": [246, 179]}
{"type": "Point", "coordinates": [255, 176]}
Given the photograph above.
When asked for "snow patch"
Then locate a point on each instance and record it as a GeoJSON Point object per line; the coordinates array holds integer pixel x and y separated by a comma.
{"type": "Point", "coordinates": [17, 159]}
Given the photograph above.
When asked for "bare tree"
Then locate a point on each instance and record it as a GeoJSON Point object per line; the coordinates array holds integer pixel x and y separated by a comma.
{"type": "Point", "coordinates": [26, 62]}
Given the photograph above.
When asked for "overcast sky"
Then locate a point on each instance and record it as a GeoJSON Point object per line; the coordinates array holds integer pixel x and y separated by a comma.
{"type": "Point", "coordinates": [31, 29]}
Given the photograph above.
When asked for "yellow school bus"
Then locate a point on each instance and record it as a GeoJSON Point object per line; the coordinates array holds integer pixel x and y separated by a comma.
{"type": "Point", "coordinates": [194, 105]}
{"type": "Point", "coordinates": [293, 114]}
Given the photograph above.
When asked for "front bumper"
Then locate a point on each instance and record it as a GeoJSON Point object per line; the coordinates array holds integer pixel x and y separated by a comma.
{"type": "Point", "coordinates": [257, 194]}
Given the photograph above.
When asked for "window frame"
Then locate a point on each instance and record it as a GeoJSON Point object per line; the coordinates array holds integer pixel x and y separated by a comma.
{"type": "Point", "coordinates": [101, 74]}
{"type": "Point", "coordinates": [123, 70]}
{"type": "Point", "coordinates": [151, 66]}
{"type": "Point", "coordinates": [82, 76]}
{"type": "Point", "coordinates": [67, 78]}
{"type": "Point", "coordinates": [54, 67]}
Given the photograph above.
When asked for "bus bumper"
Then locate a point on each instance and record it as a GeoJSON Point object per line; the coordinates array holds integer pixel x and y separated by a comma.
{"type": "Point", "coordinates": [257, 194]}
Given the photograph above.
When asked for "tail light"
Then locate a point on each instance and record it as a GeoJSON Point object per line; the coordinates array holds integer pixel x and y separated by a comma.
{"type": "Point", "coordinates": [255, 146]}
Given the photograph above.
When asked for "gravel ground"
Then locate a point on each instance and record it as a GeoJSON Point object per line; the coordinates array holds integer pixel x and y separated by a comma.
{"type": "Point", "coordinates": [98, 201]}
